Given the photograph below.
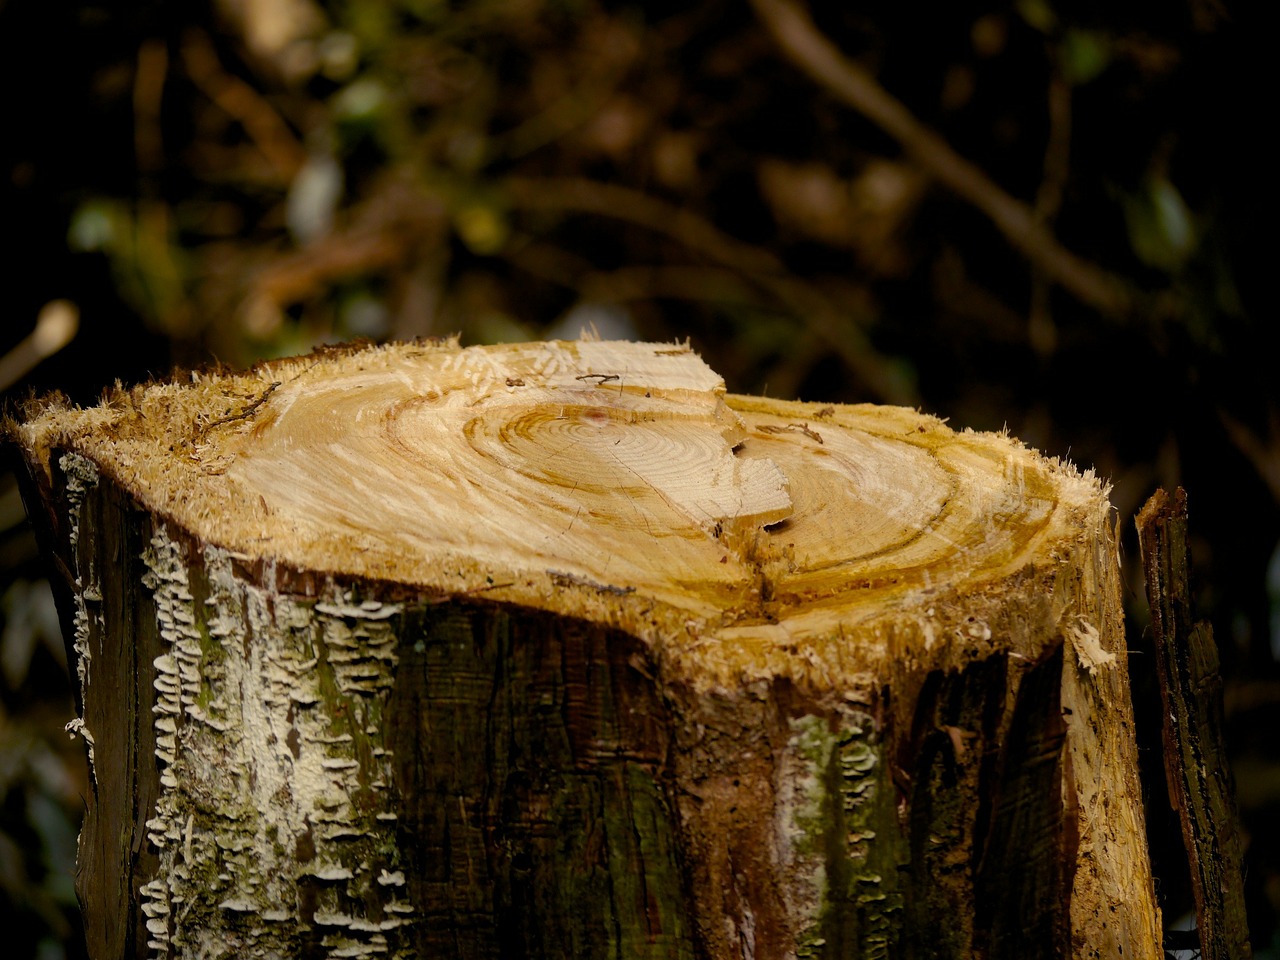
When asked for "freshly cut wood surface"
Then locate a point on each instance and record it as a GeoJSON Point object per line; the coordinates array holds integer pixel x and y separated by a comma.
{"type": "Point", "coordinates": [528, 471]}
{"type": "Point", "coordinates": [848, 678]}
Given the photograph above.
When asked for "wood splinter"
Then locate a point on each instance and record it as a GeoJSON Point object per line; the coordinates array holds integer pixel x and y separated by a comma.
{"type": "Point", "coordinates": [795, 428]}
{"type": "Point", "coordinates": [247, 412]}
{"type": "Point", "coordinates": [563, 579]}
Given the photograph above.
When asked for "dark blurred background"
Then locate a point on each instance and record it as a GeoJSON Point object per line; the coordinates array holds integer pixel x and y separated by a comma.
{"type": "Point", "coordinates": [227, 180]}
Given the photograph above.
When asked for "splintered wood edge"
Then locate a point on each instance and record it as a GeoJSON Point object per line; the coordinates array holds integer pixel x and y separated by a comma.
{"type": "Point", "coordinates": [776, 532]}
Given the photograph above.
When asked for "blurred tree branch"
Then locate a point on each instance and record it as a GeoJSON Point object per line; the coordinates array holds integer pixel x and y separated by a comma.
{"type": "Point", "coordinates": [811, 306]}
{"type": "Point", "coordinates": [387, 230]}
{"type": "Point", "coordinates": [813, 53]}
{"type": "Point", "coordinates": [1057, 162]}
{"type": "Point", "coordinates": [1263, 453]}
{"type": "Point", "coordinates": [240, 101]}
{"type": "Point", "coordinates": [55, 327]}
{"type": "Point", "coordinates": [148, 93]}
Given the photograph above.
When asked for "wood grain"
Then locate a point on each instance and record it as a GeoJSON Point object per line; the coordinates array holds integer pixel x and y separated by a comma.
{"type": "Point", "coordinates": [775, 522]}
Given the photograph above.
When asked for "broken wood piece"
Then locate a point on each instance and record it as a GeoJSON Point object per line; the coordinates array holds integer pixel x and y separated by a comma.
{"type": "Point", "coordinates": [1197, 769]}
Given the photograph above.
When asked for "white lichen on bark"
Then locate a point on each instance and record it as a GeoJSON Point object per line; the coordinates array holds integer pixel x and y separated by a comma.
{"type": "Point", "coordinates": [81, 476]}
{"type": "Point", "coordinates": [273, 777]}
{"type": "Point", "coordinates": [801, 796]}
{"type": "Point", "coordinates": [828, 779]}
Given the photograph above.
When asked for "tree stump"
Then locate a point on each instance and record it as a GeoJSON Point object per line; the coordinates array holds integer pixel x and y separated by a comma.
{"type": "Point", "coordinates": [558, 651]}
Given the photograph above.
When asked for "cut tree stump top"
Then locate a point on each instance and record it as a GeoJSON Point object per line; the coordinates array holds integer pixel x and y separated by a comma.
{"type": "Point", "coordinates": [743, 537]}
{"type": "Point", "coordinates": [854, 677]}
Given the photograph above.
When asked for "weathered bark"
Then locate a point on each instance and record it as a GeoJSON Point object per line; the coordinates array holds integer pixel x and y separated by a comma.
{"type": "Point", "coordinates": [1197, 770]}
{"type": "Point", "coordinates": [558, 651]}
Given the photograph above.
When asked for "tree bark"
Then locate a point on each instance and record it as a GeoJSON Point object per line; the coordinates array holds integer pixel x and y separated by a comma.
{"type": "Point", "coordinates": [557, 650]}
{"type": "Point", "coordinates": [1197, 770]}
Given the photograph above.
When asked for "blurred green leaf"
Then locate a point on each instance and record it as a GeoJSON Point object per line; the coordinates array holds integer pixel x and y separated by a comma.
{"type": "Point", "coordinates": [1038, 14]}
{"type": "Point", "coordinates": [94, 226]}
{"type": "Point", "coordinates": [339, 53]}
{"type": "Point", "coordinates": [1162, 230]}
{"type": "Point", "coordinates": [1085, 54]}
{"type": "Point", "coordinates": [140, 242]}
{"type": "Point", "coordinates": [361, 102]}
{"type": "Point", "coordinates": [482, 227]}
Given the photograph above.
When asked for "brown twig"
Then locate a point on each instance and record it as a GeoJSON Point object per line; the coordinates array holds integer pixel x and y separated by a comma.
{"type": "Point", "coordinates": [1053, 181]}
{"type": "Point", "coordinates": [568, 113]}
{"type": "Point", "coordinates": [247, 412]}
{"type": "Point", "coordinates": [148, 92]}
{"type": "Point", "coordinates": [1264, 454]}
{"type": "Point", "coordinates": [56, 325]}
{"type": "Point", "coordinates": [813, 53]}
{"type": "Point", "coordinates": [623, 203]}
{"type": "Point", "coordinates": [300, 274]}
{"type": "Point", "coordinates": [804, 428]}
{"type": "Point", "coordinates": [390, 228]}
{"type": "Point", "coordinates": [1057, 151]}
{"type": "Point", "coordinates": [268, 130]}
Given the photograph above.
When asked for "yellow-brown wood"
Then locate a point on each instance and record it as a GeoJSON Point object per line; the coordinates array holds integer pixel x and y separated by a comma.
{"type": "Point", "coordinates": [528, 472]}
{"type": "Point", "coordinates": [849, 553]}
